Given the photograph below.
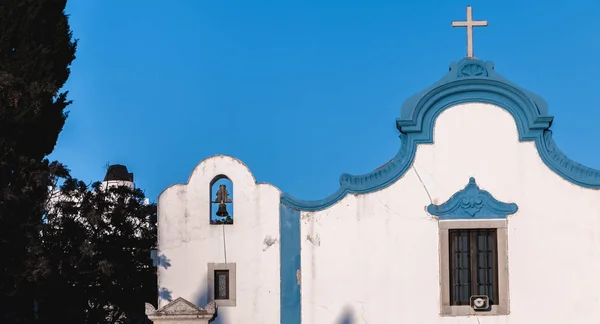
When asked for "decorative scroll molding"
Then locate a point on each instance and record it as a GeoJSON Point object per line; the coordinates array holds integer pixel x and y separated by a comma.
{"type": "Point", "coordinates": [572, 171]}
{"type": "Point", "coordinates": [468, 81]}
{"type": "Point", "coordinates": [472, 202]}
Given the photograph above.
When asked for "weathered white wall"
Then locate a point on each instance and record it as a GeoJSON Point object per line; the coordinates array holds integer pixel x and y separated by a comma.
{"type": "Point", "coordinates": [189, 242]}
{"type": "Point", "coordinates": [374, 258]}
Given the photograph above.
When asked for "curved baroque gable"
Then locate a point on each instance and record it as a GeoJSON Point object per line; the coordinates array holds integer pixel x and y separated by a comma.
{"type": "Point", "coordinates": [468, 81]}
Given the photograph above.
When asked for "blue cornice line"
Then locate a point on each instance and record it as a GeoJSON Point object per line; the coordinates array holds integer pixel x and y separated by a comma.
{"type": "Point", "coordinates": [468, 81]}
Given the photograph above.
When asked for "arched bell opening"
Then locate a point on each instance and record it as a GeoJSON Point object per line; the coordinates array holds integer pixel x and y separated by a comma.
{"type": "Point", "coordinates": [221, 201]}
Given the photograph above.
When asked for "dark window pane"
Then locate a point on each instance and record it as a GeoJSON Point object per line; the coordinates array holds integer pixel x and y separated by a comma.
{"type": "Point", "coordinates": [487, 275]}
{"type": "Point", "coordinates": [473, 265]}
{"type": "Point", "coordinates": [221, 284]}
{"type": "Point", "coordinates": [460, 274]}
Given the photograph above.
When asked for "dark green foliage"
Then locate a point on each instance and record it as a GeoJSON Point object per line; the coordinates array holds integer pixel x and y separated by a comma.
{"type": "Point", "coordinates": [96, 252]}
{"type": "Point", "coordinates": [61, 263]}
{"type": "Point", "coordinates": [36, 49]}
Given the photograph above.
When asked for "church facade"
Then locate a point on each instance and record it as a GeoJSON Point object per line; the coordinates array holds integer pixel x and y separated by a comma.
{"type": "Point", "coordinates": [478, 215]}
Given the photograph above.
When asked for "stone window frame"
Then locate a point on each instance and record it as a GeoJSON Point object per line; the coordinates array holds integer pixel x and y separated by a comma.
{"type": "Point", "coordinates": [232, 283]}
{"type": "Point", "coordinates": [501, 226]}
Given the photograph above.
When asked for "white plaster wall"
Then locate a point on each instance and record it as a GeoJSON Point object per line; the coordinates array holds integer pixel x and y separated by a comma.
{"type": "Point", "coordinates": [189, 242]}
{"type": "Point", "coordinates": [374, 258]}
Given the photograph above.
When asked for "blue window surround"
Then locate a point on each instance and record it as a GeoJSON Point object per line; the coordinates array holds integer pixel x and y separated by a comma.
{"type": "Point", "coordinates": [468, 81]}
{"type": "Point", "coordinates": [472, 202]}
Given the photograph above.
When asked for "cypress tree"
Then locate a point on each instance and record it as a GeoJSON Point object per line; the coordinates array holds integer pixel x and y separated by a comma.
{"type": "Point", "coordinates": [36, 50]}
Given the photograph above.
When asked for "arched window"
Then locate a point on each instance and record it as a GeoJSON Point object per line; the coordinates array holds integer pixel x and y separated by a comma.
{"type": "Point", "coordinates": [221, 200]}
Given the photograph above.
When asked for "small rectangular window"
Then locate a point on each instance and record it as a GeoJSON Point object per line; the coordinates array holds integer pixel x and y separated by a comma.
{"type": "Point", "coordinates": [221, 284]}
{"type": "Point", "coordinates": [473, 265]}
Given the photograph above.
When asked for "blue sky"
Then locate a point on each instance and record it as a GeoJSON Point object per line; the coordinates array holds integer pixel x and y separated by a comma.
{"type": "Point", "coordinates": [302, 91]}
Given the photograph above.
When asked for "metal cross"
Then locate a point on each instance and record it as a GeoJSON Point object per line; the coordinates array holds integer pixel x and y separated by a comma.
{"type": "Point", "coordinates": [470, 23]}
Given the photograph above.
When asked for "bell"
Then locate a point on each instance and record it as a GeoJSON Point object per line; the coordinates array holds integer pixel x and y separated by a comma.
{"type": "Point", "coordinates": [222, 211]}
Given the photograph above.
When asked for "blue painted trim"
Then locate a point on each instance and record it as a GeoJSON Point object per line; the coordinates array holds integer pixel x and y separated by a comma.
{"type": "Point", "coordinates": [472, 202]}
{"type": "Point", "coordinates": [468, 81]}
{"type": "Point", "coordinates": [289, 240]}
